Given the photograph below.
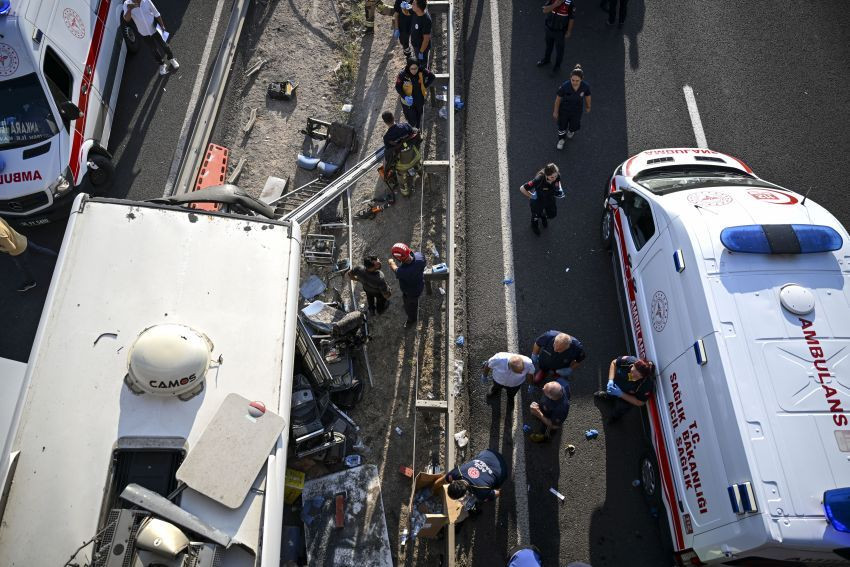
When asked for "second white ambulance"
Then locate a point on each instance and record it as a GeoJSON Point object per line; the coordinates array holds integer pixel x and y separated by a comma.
{"type": "Point", "coordinates": [739, 290]}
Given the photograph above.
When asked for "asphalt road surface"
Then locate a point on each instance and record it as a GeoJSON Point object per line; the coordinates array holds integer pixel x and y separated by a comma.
{"type": "Point", "coordinates": [148, 120]}
{"type": "Point", "coordinates": [772, 87]}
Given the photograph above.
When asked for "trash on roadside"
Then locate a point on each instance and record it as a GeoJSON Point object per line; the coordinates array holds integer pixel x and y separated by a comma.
{"type": "Point", "coordinates": [458, 102]}
{"type": "Point", "coordinates": [406, 471]}
{"type": "Point", "coordinates": [312, 287]}
{"type": "Point", "coordinates": [560, 496]}
{"type": "Point", "coordinates": [283, 90]}
{"type": "Point", "coordinates": [591, 434]}
{"type": "Point", "coordinates": [443, 113]}
{"type": "Point", "coordinates": [567, 270]}
{"type": "Point", "coordinates": [571, 450]}
{"type": "Point", "coordinates": [347, 108]}
{"type": "Point", "coordinates": [508, 281]}
{"type": "Point", "coordinates": [398, 431]}
{"type": "Point", "coordinates": [461, 438]}
{"type": "Point", "coordinates": [636, 482]}
{"type": "Point", "coordinates": [526, 428]}
{"type": "Point", "coordinates": [255, 67]}
{"type": "Point", "coordinates": [434, 251]}
{"type": "Point", "coordinates": [352, 461]}
{"type": "Point", "coordinates": [460, 340]}
{"type": "Point", "coordinates": [403, 539]}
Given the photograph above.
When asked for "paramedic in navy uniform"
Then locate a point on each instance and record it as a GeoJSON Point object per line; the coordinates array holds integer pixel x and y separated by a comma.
{"type": "Point", "coordinates": [631, 382]}
{"type": "Point", "coordinates": [481, 476]}
{"type": "Point", "coordinates": [572, 99]}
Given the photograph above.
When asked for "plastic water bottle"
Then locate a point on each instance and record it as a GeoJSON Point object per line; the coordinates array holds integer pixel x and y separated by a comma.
{"type": "Point", "coordinates": [443, 113]}
{"type": "Point", "coordinates": [444, 93]}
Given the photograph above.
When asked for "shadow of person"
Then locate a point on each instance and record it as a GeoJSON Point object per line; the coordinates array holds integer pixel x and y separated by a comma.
{"type": "Point", "coordinates": [627, 520]}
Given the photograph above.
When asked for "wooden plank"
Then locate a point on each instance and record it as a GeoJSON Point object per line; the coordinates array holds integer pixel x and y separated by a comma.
{"type": "Point", "coordinates": [432, 405]}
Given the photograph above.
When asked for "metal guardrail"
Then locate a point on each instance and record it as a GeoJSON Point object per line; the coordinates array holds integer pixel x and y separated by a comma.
{"type": "Point", "coordinates": [191, 161]}
{"type": "Point", "coordinates": [336, 188]}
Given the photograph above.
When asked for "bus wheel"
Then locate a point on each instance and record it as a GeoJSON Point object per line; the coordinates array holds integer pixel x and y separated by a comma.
{"type": "Point", "coordinates": [101, 172]}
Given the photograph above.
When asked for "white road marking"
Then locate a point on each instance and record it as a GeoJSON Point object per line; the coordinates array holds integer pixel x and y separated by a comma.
{"type": "Point", "coordinates": [518, 465]}
{"type": "Point", "coordinates": [699, 133]}
{"type": "Point", "coordinates": [193, 102]}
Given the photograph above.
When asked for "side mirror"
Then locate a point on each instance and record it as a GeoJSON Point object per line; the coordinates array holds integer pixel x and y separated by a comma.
{"type": "Point", "coordinates": [69, 111]}
{"type": "Point", "coordinates": [615, 198]}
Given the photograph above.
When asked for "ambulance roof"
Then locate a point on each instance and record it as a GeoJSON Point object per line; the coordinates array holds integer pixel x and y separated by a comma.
{"type": "Point", "coordinates": [123, 268]}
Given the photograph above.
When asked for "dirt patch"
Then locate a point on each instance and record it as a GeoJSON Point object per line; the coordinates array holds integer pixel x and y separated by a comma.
{"type": "Point", "coordinates": [322, 47]}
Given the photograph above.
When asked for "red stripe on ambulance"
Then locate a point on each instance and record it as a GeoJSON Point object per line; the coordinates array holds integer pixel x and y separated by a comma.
{"type": "Point", "coordinates": [655, 419]}
{"type": "Point", "coordinates": [86, 87]}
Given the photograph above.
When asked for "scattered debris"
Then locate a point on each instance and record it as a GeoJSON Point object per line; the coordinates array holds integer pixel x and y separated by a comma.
{"type": "Point", "coordinates": [459, 341]}
{"type": "Point", "coordinates": [406, 471]}
{"type": "Point", "coordinates": [508, 281]}
{"type": "Point", "coordinates": [352, 461]}
{"type": "Point", "coordinates": [571, 450]}
{"type": "Point", "coordinates": [461, 439]}
{"type": "Point", "coordinates": [100, 336]}
{"type": "Point", "coordinates": [591, 434]}
{"type": "Point", "coordinates": [399, 431]}
{"type": "Point", "coordinates": [526, 428]}
{"type": "Point", "coordinates": [347, 108]}
{"type": "Point", "coordinates": [255, 67]}
{"type": "Point", "coordinates": [636, 482]}
{"type": "Point", "coordinates": [252, 118]}
{"type": "Point", "coordinates": [234, 176]}
{"type": "Point", "coordinates": [560, 496]}
{"type": "Point", "coordinates": [282, 90]}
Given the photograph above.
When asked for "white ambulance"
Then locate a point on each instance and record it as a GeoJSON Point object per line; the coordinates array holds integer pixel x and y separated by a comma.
{"type": "Point", "coordinates": [61, 63]}
{"type": "Point", "coordinates": [739, 290]}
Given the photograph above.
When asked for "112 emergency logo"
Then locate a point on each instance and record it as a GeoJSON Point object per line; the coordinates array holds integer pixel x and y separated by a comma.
{"type": "Point", "coordinates": [9, 60]}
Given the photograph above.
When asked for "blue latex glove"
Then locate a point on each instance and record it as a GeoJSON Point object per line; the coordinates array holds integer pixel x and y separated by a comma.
{"type": "Point", "coordinates": [421, 56]}
{"type": "Point", "coordinates": [535, 360]}
{"type": "Point", "coordinates": [614, 390]}
{"type": "Point", "coordinates": [396, 34]}
{"type": "Point", "coordinates": [533, 195]}
{"type": "Point", "coordinates": [408, 100]}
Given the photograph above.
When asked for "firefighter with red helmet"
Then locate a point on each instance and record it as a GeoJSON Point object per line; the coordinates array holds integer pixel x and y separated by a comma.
{"type": "Point", "coordinates": [410, 272]}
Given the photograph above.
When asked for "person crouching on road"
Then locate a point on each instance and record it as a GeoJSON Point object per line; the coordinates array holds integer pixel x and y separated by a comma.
{"type": "Point", "coordinates": [411, 279]}
{"type": "Point", "coordinates": [631, 383]}
{"type": "Point", "coordinates": [556, 355]}
{"type": "Point", "coordinates": [412, 86]}
{"type": "Point", "coordinates": [542, 192]}
{"type": "Point", "coordinates": [509, 372]}
{"type": "Point", "coordinates": [552, 410]}
{"type": "Point", "coordinates": [572, 99]}
{"type": "Point", "coordinates": [374, 285]}
{"type": "Point", "coordinates": [480, 477]}
{"type": "Point", "coordinates": [145, 15]}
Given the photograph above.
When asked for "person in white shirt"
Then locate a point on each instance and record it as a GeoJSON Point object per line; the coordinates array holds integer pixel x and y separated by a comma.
{"type": "Point", "coordinates": [147, 18]}
{"type": "Point", "coordinates": [509, 371]}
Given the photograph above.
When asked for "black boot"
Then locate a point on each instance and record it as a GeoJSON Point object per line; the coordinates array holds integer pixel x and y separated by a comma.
{"type": "Point", "coordinates": [535, 228]}
{"type": "Point", "coordinates": [545, 221]}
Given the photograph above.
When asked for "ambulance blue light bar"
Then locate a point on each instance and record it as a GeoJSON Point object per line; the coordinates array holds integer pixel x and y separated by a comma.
{"type": "Point", "coordinates": [836, 506]}
{"type": "Point", "coordinates": [742, 498]}
{"type": "Point", "coordinates": [5, 7]}
{"type": "Point", "coordinates": [781, 239]}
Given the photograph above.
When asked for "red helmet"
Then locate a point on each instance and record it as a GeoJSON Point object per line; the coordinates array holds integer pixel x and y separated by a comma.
{"type": "Point", "coordinates": [401, 251]}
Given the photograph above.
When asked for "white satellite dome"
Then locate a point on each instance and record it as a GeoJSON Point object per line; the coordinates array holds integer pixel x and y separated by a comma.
{"type": "Point", "coordinates": [169, 360]}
